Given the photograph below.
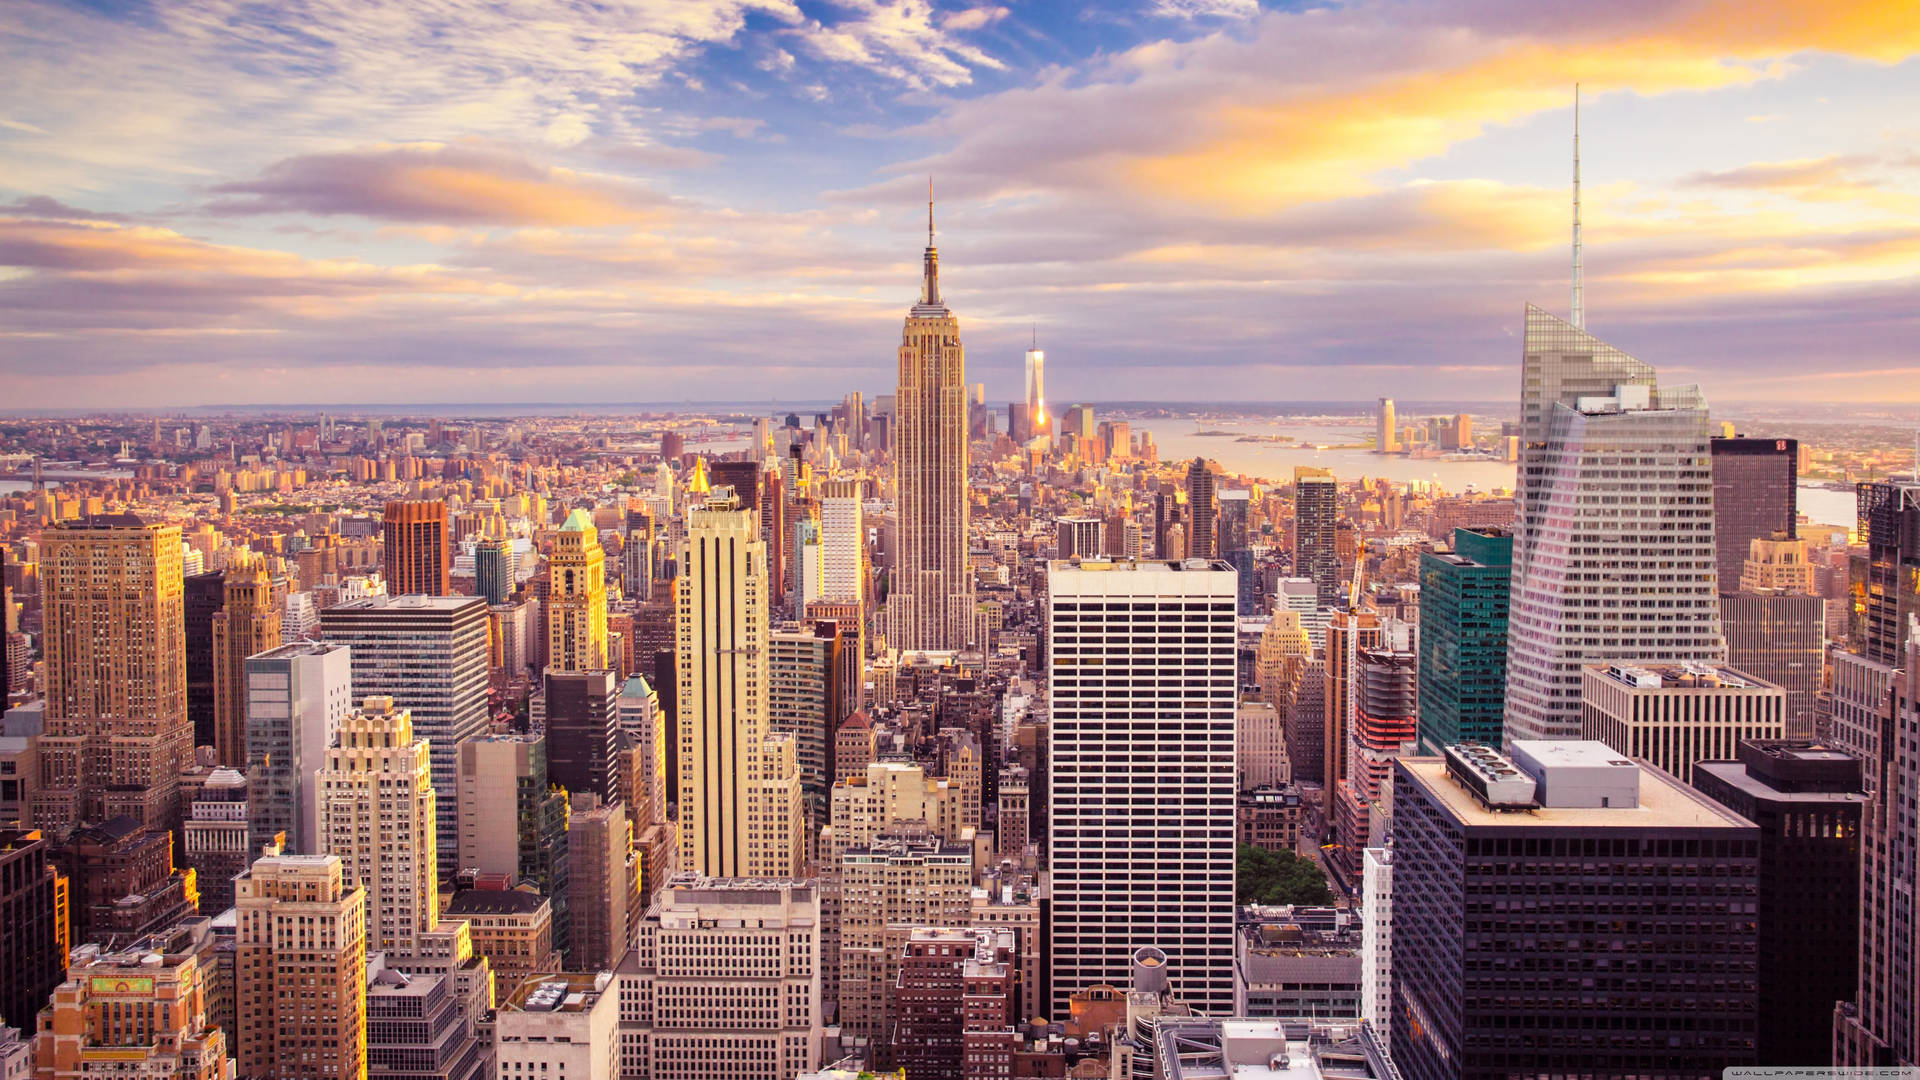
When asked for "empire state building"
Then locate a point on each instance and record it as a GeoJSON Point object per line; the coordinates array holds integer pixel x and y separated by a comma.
{"type": "Point", "coordinates": [932, 603]}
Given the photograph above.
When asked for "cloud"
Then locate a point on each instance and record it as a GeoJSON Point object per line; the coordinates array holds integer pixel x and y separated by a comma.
{"type": "Point", "coordinates": [40, 206]}
{"type": "Point", "coordinates": [973, 18]}
{"type": "Point", "coordinates": [440, 184]}
{"type": "Point", "coordinates": [1199, 9]}
{"type": "Point", "coordinates": [900, 39]}
{"type": "Point", "coordinates": [1779, 175]}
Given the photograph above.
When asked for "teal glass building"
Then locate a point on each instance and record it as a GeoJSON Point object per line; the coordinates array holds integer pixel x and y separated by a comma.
{"type": "Point", "coordinates": [1463, 639]}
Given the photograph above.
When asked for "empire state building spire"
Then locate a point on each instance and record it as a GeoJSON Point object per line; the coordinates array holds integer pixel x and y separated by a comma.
{"type": "Point", "coordinates": [930, 285]}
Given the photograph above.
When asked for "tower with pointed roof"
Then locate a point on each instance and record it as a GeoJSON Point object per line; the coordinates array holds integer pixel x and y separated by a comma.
{"type": "Point", "coordinates": [577, 605]}
{"type": "Point", "coordinates": [932, 602]}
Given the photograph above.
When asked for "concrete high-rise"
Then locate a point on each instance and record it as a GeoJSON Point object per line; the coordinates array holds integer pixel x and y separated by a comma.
{"type": "Point", "coordinates": [754, 945]}
{"type": "Point", "coordinates": [1077, 537]}
{"type": "Point", "coordinates": [377, 813]}
{"type": "Point", "coordinates": [142, 1011]}
{"type": "Point", "coordinates": [247, 623]}
{"type": "Point", "coordinates": [296, 697]}
{"type": "Point", "coordinates": [1463, 1010]}
{"type": "Point", "coordinates": [536, 816]}
{"type": "Point", "coordinates": [213, 838]}
{"type": "Point", "coordinates": [582, 724]}
{"type": "Point", "coordinates": [416, 548]}
{"type": "Point", "coordinates": [603, 887]}
{"type": "Point", "coordinates": [577, 598]}
{"type": "Point", "coordinates": [905, 877]}
{"type": "Point", "coordinates": [805, 670]}
{"type": "Point", "coordinates": [300, 956]}
{"type": "Point", "coordinates": [1755, 497]}
{"type": "Point", "coordinates": [843, 538]}
{"type": "Point", "coordinates": [1316, 510]}
{"type": "Point", "coordinates": [1674, 715]}
{"type": "Point", "coordinates": [117, 733]}
{"type": "Point", "coordinates": [932, 603]}
{"type": "Point", "coordinates": [739, 784]}
{"type": "Point", "coordinates": [429, 654]}
{"type": "Point", "coordinates": [1463, 639]}
{"type": "Point", "coordinates": [1134, 686]}
{"type": "Point", "coordinates": [1595, 577]}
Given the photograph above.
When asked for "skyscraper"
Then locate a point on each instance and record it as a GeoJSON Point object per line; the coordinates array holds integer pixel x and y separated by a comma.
{"type": "Point", "coordinates": [1077, 537]}
{"type": "Point", "coordinates": [32, 927]}
{"type": "Point", "coordinates": [932, 605]}
{"type": "Point", "coordinates": [603, 885]}
{"type": "Point", "coordinates": [1463, 639]}
{"type": "Point", "coordinates": [300, 970]}
{"type": "Point", "coordinates": [1596, 577]}
{"type": "Point", "coordinates": [739, 785]}
{"type": "Point", "coordinates": [296, 697]}
{"type": "Point", "coordinates": [116, 733]}
{"type": "Point", "coordinates": [577, 598]}
{"type": "Point", "coordinates": [1203, 512]}
{"type": "Point", "coordinates": [429, 654]}
{"type": "Point", "coordinates": [205, 594]}
{"type": "Point", "coordinates": [1135, 686]}
{"type": "Point", "coordinates": [1038, 423]}
{"type": "Point", "coordinates": [1386, 437]}
{"type": "Point", "coordinates": [843, 538]}
{"type": "Point", "coordinates": [1475, 829]}
{"type": "Point", "coordinates": [377, 814]}
{"type": "Point", "coordinates": [1886, 578]}
{"type": "Point", "coordinates": [1755, 497]}
{"type": "Point", "coordinates": [582, 723]}
{"type": "Point", "coordinates": [536, 816]}
{"type": "Point", "coordinates": [1316, 509]}
{"type": "Point", "coordinates": [247, 623]}
{"type": "Point", "coordinates": [493, 569]}
{"type": "Point", "coordinates": [138, 1012]}
{"type": "Point", "coordinates": [417, 548]}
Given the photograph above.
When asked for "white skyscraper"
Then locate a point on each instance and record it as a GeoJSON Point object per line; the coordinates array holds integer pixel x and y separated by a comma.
{"type": "Point", "coordinates": [843, 535]}
{"type": "Point", "coordinates": [1142, 761]}
{"type": "Point", "coordinates": [1614, 555]}
{"type": "Point", "coordinates": [1037, 390]}
{"type": "Point", "coordinates": [377, 813]}
{"type": "Point", "coordinates": [1376, 938]}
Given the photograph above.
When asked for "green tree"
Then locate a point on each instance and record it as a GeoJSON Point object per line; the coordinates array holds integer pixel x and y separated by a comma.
{"type": "Point", "coordinates": [1277, 877]}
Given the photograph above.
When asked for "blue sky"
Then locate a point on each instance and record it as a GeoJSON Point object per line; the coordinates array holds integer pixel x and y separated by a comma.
{"type": "Point", "coordinates": [209, 201]}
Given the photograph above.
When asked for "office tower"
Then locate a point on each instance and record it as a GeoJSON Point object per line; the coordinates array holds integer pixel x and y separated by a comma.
{"type": "Point", "coordinates": [646, 725]}
{"type": "Point", "coordinates": [214, 841]}
{"type": "Point", "coordinates": [296, 697]}
{"type": "Point", "coordinates": [952, 982]}
{"type": "Point", "coordinates": [1385, 718]}
{"type": "Point", "coordinates": [1121, 709]}
{"type": "Point", "coordinates": [1755, 497]}
{"type": "Point", "coordinates": [805, 695]}
{"type": "Point", "coordinates": [739, 784]}
{"type": "Point", "coordinates": [1316, 509]}
{"type": "Point", "coordinates": [1674, 715]}
{"type": "Point", "coordinates": [1078, 537]}
{"type": "Point", "coordinates": [905, 877]}
{"type": "Point", "coordinates": [377, 814]}
{"type": "Point", "coordinates": [932, 607]}
{"type": "Point", "coordinates": [843, 535]}
{"type": "Point", "coordinates": [300, 963]}
{"type": "Point", "coordinates": [512, 928]}
{"type": "Point", "coordinates": [495, 574]}
{"type": "Point", "coordinates": [124, 882]}
{"type": "Point", "coordinates": [203, 595]}
{"type": "Point", "coordinates": [1202, 512]}
{"type": "Point", "coordinates": [1596, 578]}
{"type": "Point", "coordinates": [248, 622]}
{"type": "Point", "coordinates": [566, 1021]}
{"type": "Point", "coordinates": [138, 1012]}
{"type": "Point", "coordinates": [536, 816]}
{"type": "Point", "coordinates": [1261, 754]}
{"type": "Point", "coordinates": [1885, 581]}
{"type": "Point", "coordinates": [603, 886]}
{"type": "Point", "coordinates": [116, 733]}
{"type": "Point", "coordinates": [1807, 800]}
{"type": "Point", "coordinates": [1376, 940]}
{"type": "Point", "coordinates": [1234, 539]}
{"type": "Point", "coordinates": [33, 926]}
{"type": "Point", "coordinates": [416, 1029]}
{"type": "Point", "coordinates": [1386, 439]}
{"type": "Point", "coordinates": [582, 720]}
{"type": "Point", "coordinates": [1036, 386]}
{"type": "Point", "coordinates": [416, 550]}
{"type": "Point", "coordinates": [1463, 639]}
{"type": "Point", "coordinates": [754, 945]}
{"type": "Point", "coordinates": [1683, 1006]}
{"type": "Point", "coordinates": [1780, 636]}
{"type": "Point", "coordinates": [808, 568]}
{"type": "Point", "coordinates": [429, 654]}
{"type": "Point", "coordinates": [577, 603]}
{"type": "Point", "coordinates": [1347, 635]}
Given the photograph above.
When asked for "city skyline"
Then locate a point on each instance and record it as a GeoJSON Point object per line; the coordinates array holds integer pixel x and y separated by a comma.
{"type": "Point", "coordinates": [205, 204]}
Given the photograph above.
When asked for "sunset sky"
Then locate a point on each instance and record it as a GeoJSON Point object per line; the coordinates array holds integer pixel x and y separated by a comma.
{"type": "Point", "coordinates": [218, 201]}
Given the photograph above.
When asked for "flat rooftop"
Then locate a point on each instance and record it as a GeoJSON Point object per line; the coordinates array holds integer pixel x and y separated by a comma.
{"type": "Point", "coordinates": [1073, 578]}
{"type": "Point", "coordinates": [1665, 803]}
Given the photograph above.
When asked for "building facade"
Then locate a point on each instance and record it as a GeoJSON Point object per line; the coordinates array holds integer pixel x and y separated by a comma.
{"type": "Point", "coordinates": [296, 697]}
{"type": "Point", "coordinates": [1463, 639]}
{"type": "Point", "coordinates": [416, 548]}
{"type": "Point", "coordinates": [378, 814]}
{"type": "Point", "coordinates": [300, 968]}
{"type": "Point", "coordinates": [1675, 715]}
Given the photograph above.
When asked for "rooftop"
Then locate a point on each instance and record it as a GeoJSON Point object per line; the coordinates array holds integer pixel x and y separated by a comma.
{"type": "Point", "coordinates": [1664, 803]}
{"type": "Point", "coordinates": [556, 993]}
{"type": "Point", "coordinates": [1679, 676]}
{"type": "Point", "coordinates": [494, 902]}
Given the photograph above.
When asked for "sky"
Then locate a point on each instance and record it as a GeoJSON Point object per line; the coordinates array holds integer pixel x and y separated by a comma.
{"type": "Point", "coordinates": [230, 202]}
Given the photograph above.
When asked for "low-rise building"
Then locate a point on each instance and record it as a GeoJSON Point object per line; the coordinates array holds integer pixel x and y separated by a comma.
{"type": "Point", "coordinates": [566, 1027]}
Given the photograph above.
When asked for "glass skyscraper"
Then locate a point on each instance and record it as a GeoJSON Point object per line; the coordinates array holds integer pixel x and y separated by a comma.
{"type": "Point", "coordinates": [1755, 496]}
{"type": "Point", "coordinates": [1463, 639]}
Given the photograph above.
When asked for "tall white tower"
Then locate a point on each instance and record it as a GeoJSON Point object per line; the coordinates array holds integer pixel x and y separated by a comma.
{"type": "Point", "coordinates": [378, 813]}
{"type": "Point", "coordinates": [1037, 388]}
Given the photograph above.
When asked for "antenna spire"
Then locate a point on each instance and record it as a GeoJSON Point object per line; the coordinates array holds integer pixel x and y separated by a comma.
{"type": "Point", "coordinates": [1579, 304]}
{"type": "Point", "coordinates": [1036, 335]}
{"type": "Point", "coordinates": [929, 209]}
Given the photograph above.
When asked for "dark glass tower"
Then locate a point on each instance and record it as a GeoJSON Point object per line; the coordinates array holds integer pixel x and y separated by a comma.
{"type": "Point", "coordinates": [1463, 639]}
{"type": "Point", "coordinates": [1755, 497]}
{"type": "Point", "coordinates": [206, 594]}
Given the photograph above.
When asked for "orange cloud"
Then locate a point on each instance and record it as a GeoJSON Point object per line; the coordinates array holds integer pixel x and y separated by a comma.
{"type": "Point", "coordinates": [1260, 157]}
